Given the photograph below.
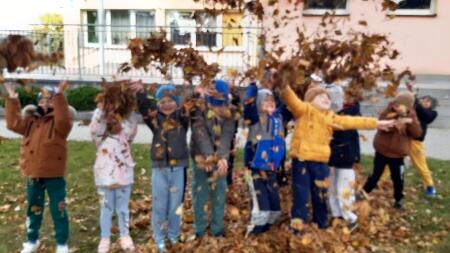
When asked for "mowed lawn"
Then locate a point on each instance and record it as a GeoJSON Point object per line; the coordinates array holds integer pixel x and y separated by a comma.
{"type": "Point", "coordinates": [431, 216]}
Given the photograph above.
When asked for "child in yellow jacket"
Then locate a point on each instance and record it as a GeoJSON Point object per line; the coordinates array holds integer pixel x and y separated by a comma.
{"type": "Point", "coordinates": [310, 149]}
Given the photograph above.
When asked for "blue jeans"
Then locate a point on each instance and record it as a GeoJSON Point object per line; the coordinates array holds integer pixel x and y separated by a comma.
{"type": "Point", "coordinates": [306, 179]}
{"type": "Point", "coordinates": [114, 200]}
{"type": "Point", "coordinates": [167, 195]}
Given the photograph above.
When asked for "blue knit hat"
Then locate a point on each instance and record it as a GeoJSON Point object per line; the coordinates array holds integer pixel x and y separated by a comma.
{"type": "Point", "coordinates": [47, 92]}
{"type": "Point", "coordinates": [221, 98]}
{"type": "Point", "coordinates": [167, 90]}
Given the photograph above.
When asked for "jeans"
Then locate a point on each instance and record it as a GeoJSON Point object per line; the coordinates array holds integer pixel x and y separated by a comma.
{"type": "Point", "coordinates": [114, 200]}
{"type": "Point", "coordinates": [56, 190]}
{"type": "Point", "coordinates": [167, 194]}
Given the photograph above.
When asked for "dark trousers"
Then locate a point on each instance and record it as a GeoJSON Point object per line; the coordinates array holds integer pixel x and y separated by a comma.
{"type": "Point", "coordinates": [265, 192]}
{"type": "Point", "coordinates": [56, 190]}
{"type": "Point", "coordinates": [395, 165]}
{"type": "Point", "coordinates": [307, 178]}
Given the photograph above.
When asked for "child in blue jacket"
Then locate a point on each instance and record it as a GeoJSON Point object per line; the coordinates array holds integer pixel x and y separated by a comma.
{"type": "Point", "coordinates": [264, 152]}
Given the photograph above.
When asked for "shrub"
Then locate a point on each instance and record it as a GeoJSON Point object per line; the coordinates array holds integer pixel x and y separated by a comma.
{"type": "Point", "coordinates": [28, 96]}
{"type": "Point", "coordinates": [83, 98]}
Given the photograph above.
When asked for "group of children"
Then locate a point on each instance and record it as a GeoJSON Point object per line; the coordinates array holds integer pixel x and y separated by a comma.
{"type": "Point", "coordinates": [324, 137]}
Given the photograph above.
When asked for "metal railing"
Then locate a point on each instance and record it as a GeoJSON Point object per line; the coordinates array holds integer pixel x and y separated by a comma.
{"type": "Point", "coordinates": [235, 48]}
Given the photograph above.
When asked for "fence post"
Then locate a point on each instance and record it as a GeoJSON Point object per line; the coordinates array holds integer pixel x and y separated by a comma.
{"type": "Point", "coordinates": [79, 41]}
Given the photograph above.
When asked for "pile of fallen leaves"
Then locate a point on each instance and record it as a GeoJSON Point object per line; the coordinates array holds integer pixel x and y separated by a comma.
{"type": "Point", "coordinates": [159, 52]}
{"type": "Point", "coordinates": [117, 100]}
{"type": "Point", "coordinates": [381, 227]}
{"type": "Point", "coordinates": [17, 51]}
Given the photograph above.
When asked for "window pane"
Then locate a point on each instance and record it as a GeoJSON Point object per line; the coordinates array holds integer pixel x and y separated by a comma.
{"type": "Point", "coordinates": [325, 4]}
{"type": "Point", "coordinates": [181, 24]}
{"type": "Point", "coordinates": [92, 33]}
{"type": "Point", "coordinates": [207, 36]}
{"type": "Point", "coordinates": [414, 4]}
{"type": "Point", "coordinates": [120, 27]}
{"type": "Point", "coordinates": [145, 24]}
{"type": "Point", "coordinates": [232, 29]}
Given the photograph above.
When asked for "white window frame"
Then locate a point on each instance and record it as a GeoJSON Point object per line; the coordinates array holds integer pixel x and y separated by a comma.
{"type": "Point", "coordinates": [108, 38]}
{"type": "Point", "coordinates": [432, 11]}
{"type": "Point", "coordinates": [321, 12]}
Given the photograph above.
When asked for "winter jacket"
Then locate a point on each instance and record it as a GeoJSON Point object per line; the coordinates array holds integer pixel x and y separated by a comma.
{"type": "Point", "coordinates": [265, 146]}
{"type": "Point", "coordinates": [314, 128]}
{"type": "Point", "coordinates": [114, 165]}
{"type": "Point", "coordinates": [345, 150]}
{"type": "Point", "coordinates": [43, 152]}
{"type": "Point", "coordinates": [211, 135]}
{"type": "Point", "coordinates": [169, 144]}
{"type": "Point", "coordinates": [393, 143]}
{"type": "Point", "coordinates": [426, 117]}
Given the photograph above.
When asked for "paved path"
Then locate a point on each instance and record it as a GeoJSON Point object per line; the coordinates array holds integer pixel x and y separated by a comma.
{"type": "Point", "coordinates": [437, 144]}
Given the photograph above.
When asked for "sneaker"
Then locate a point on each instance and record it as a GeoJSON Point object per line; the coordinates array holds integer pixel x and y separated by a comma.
{"type": "Point", "coordinates": [29, 247]}
{"type": "Point", "coordinates": [352, 226]}
{"type": "Point", "coordinates": [126, 243]}
{"type": "Point", "coordinates": [104, 245]}
{"type": "Point", "coordinates": [431, 191]}
{"type": "Point", "coordinates": [62, 248]}
{"type": "Point", "coordinates": [161, 247]}
{"type": "Point", "coordinates": [398, 204]}
{"type": "Point", "coordinates": [174, 241]}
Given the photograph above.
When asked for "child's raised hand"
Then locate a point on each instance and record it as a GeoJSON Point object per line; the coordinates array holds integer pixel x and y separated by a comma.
{"type": "Point", "coordinates": [385, 125]}
{"type": "Point", "coordinates": [63, 85]}
{"type": "Point", "coordinates": [11, 89]}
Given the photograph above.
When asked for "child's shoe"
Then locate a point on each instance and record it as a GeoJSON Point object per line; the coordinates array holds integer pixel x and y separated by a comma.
{"type": "Point", "coordinates": [104, 245]}
{"type": "Point", "coordinates": [29, 247]}
{"type": "Point", "coordinates": [161, 247]}
{"type": "Point", "coordinates": [126, 243]}
{"type": "Point", "coordinates": [398, 204]}
{"type": "Point", "coordinates": [352, 226]}
{"type": "Point", "coordinates": [62, 248]}
{"type": "Point", "coordinates": [174, 241]}
{"type": "Point", "coordinates": [431, 191]}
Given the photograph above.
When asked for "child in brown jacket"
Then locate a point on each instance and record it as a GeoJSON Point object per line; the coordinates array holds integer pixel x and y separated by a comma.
{"type": "Point", "coordinates": [393, 145]}
{"type": "Point", "coordinates": [43, 155]}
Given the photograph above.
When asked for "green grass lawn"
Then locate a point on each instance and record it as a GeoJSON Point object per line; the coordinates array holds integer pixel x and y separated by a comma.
{"type": "Point", "coordinates": [429, 218]}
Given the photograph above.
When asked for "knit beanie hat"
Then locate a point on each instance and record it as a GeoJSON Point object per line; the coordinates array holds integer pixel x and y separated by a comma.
{"type": "Point", "coordinates": [405, 98]}
{"type": "Point", "coordinates": [262, 95]}
{"type": "Point", "coordinates": [222, 91]}
{"type": "Point", "coordinates": [433, 100]}
{"type": "Point", "coordinates": [167, 90]}
{"type": "Point", "coordinates": [313, 92]}
{"type": "Point", "coordinates": [46, 92]}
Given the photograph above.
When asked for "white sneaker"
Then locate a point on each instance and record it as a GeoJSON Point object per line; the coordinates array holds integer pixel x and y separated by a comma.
{"type": "Point", "coordinates": [29, 247]}
{"type": "Point", "coordinates": [62, 249]}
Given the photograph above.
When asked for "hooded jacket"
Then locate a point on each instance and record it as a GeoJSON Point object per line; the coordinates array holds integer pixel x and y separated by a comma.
{"type": "Point", "coordinates": [395, 143]}
{"type": "Point", "coordinates": [43, 152]}
{"type": "Point", "coordinates": [169, 145]}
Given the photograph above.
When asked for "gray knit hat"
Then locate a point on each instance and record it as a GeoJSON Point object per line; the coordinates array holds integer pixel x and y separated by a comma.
{"type": "Point", "coordinates": [262, 95]}
{"type": "Point", "coordinates": [336, 96]}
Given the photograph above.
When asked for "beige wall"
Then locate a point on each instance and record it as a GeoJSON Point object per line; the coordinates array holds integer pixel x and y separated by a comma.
{"type": "Point", "coordinates": [424, 41]}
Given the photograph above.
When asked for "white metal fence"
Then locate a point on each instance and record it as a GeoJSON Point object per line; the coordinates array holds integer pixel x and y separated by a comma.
{"type": "Point", "coordinates": [83, 60]}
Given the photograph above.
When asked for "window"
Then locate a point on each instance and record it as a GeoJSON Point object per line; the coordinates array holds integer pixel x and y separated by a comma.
{"type": "Point", "coordinates": [320, 7]}
{"type": "Point", "coordinates": [121, 25]}
{"type": "Point", "coordinates": [203, 31]}
{"type": "Point", "coordinates": [92, 22]}
{"type": "Point", "coordinates": [145, 23]}
{"type": "Point", "coordinates": [415, 7]}
{"type": "Point", "coordinates": [181, 26]}
{"type": "Point", "coordinates": [232, 30]}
